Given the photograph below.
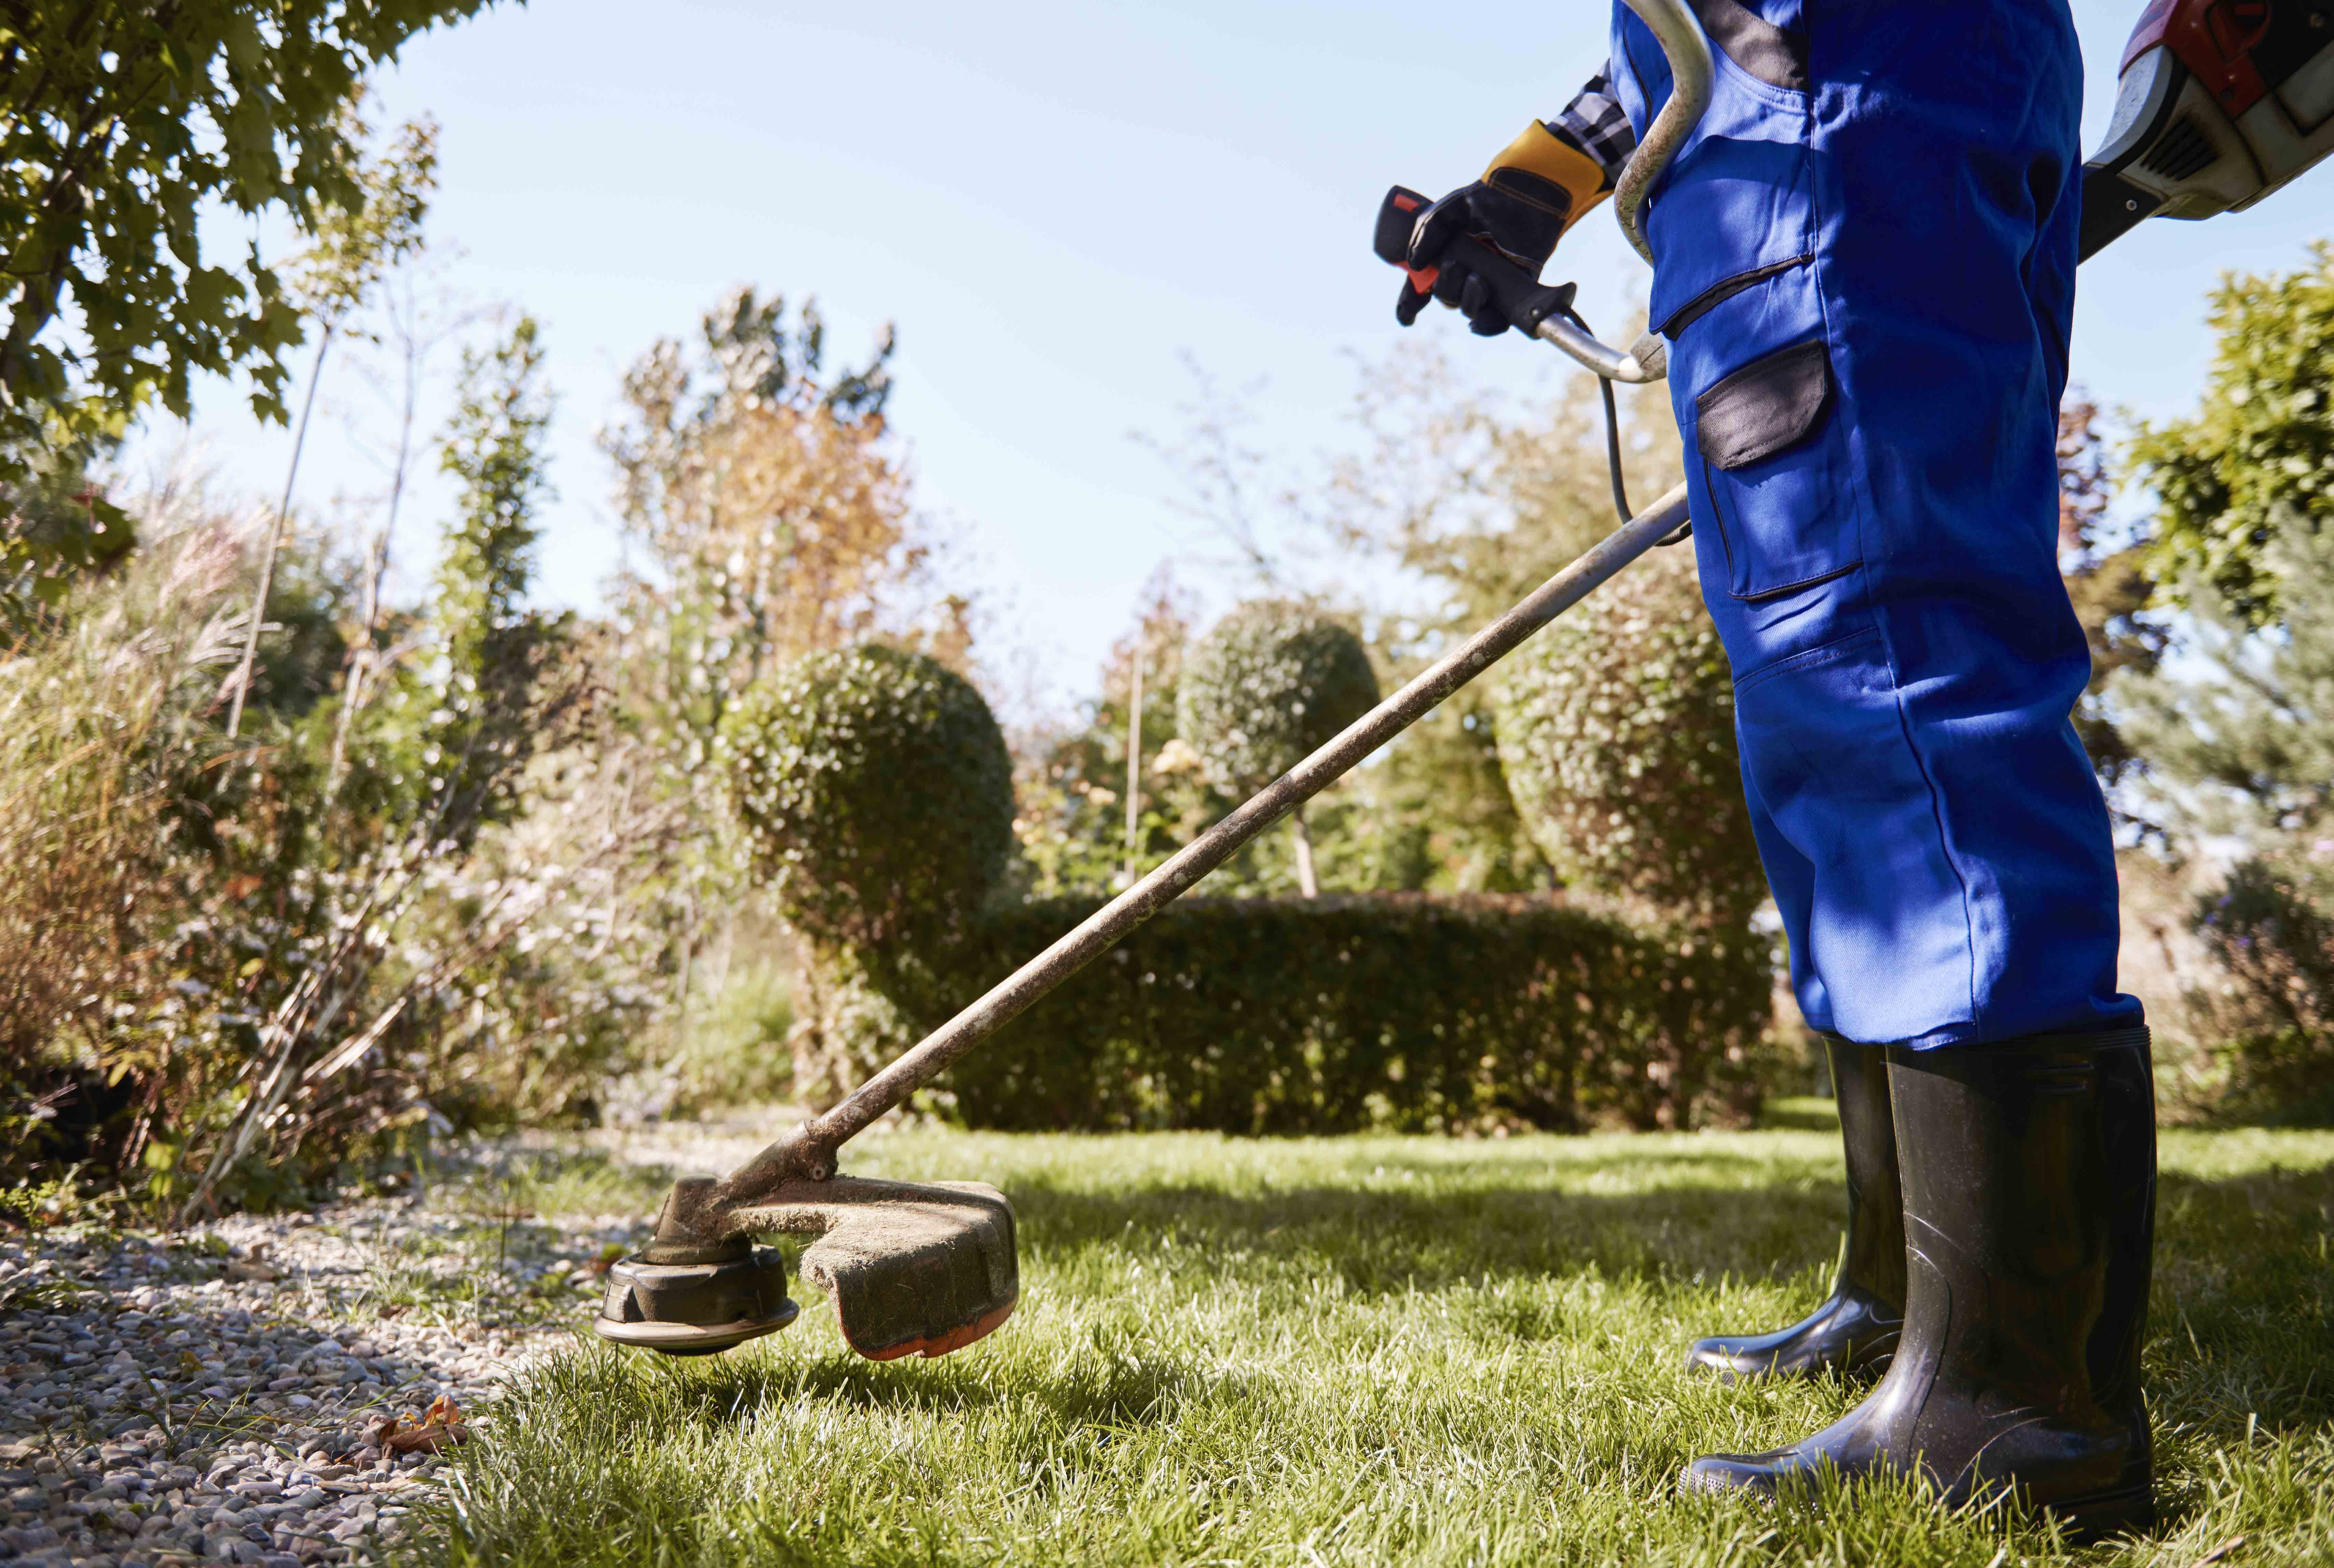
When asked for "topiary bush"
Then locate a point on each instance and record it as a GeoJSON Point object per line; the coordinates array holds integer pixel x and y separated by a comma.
{"type": "Point", "coordinates": [877, 795]}
{"type": "Point", "coordinates": [876, 791]}
{"type": "Point", "coordinates": [1616, 733]}
{"type": "Point", "coordinates": [1268, 685]}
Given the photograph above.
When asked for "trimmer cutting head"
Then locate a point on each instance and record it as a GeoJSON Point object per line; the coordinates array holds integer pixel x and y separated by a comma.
{"type": "Point", "coordinates": [914, 1268]}
{"type": "Point", "coordinates": [736, 1292]}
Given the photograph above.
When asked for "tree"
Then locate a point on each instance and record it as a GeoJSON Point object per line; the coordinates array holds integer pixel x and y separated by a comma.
{"type": "Point", "coordinates": [354, 247]}
{"type": "Point", "coordinates": [444, 762]}
{"type": "Point", "coordinates": [419, 318]}
{"type": "Point", "coordinates": [1479, 502]}
{"type": "Point", "coordinates": [491, 651]}
{"type": "Point", "coordinates": [56, 528]}
{"type": "Point", "coordinates": [120, 123]}
{"type": "Point", "coordinates": [2238, 733]}
{"type": "Point", "coordinates": [2236, 740]}
{"type": "Point", "coordinates": [1271, 683]}
{"type": "Point", "coordinates": [1071, 779]}
{"type": "Point", "coordinates": [772, 513]}
{"type": "Point", "coordinates": [2109, 584]}
{"type": "Point", "coordinates": [766, 516]}
{"type": "Point", "coordinates": [2257, 457]}
{"type": "Point", "coordinates": [1227, 486]}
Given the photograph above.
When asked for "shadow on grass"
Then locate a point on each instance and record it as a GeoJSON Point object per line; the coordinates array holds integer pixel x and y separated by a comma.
{"type": "Point", "coordinates": [2242, 1322]}
{"type": "Point", "coordinates": [2241, 1362]}
{"type": "Point", "coordinates": [1378, 1241]}
{"type": "Point", "coordinates": [2242, 1312]}
{"type": "Point", "coordinates": [1799, 1113]}
{"type": "Point", "coordinates": [1126, 1389]}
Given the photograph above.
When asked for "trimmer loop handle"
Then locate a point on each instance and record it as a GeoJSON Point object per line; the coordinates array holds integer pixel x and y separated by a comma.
{"type": "Point", "coordinates": [1546, 311]}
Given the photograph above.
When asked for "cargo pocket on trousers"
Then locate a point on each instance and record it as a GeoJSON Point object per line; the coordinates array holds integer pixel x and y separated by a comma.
{"type": "Point", "coordinates": [1774, 466]}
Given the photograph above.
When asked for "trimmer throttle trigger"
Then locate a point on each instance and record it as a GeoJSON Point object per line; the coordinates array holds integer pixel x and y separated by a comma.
{"type": "Point", "coordinates": [1397, 216]}
{"type": "Point", "coordinates": [1520, 296]}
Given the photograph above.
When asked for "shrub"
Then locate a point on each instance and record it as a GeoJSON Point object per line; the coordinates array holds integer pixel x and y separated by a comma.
{"type": "Point", "coordinates": [99, 742]}
{"type": "Point", "coordinates": [877, 797]}
{"type": "Point", "coordinates": [1270, 683]}
{"type": "Point", "coordinates": [877, 792]}
{"type": "Point", "coordinates": [2275, 1018]}
{"type": "Point", "coordinates": [221, 973]}
{"type": "Point", "coordinates": [1402, 1011]}
{"type": "Point", "coordinates": [1616, 730]}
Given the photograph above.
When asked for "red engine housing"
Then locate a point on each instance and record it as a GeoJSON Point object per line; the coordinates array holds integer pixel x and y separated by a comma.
{"type": "Point", "coordinates": [2214, 39]}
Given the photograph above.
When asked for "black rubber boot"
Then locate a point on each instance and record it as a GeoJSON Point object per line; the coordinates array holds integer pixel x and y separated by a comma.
{"type": "Point", "coordinates": [2029, 1198]}
{"type": "Point", "coordinates": [1854, 1332]}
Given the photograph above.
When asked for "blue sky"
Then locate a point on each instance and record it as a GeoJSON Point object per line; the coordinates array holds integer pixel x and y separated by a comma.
{"type": "Point", "coordinates": [1053, 201]}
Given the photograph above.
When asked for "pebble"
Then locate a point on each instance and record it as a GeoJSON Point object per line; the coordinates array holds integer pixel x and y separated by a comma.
{"type": "Point", "coordinates": [161, 1406]}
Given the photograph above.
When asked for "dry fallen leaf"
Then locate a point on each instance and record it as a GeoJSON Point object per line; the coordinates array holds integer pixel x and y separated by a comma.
{"type": "Point", "coordinates": [438, 1427]}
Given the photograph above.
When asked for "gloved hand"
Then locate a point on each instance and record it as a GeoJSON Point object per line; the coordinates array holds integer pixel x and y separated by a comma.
{"type": "Point", "coordinates": [1532, 193]}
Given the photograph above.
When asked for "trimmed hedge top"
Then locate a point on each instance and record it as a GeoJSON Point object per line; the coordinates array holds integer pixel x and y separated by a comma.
{"type": "Point", "coordinates": [1402, 1011]}
{"type": "Point", "coordinates": [877, 792]}
{"type": "Point", "coordinates": [1268, 686]}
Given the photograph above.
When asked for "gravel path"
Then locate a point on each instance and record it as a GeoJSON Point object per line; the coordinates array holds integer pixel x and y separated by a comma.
{"type": "Point", "coordinates": [220, 1395]}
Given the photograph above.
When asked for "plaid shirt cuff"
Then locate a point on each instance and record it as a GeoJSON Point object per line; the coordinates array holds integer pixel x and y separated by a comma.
{"type": "Point", "coordinates": [1596, 125]}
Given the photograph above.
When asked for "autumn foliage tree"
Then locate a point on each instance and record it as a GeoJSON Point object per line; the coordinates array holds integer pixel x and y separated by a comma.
{"type": "Point", "coordinates": [769, 512]}
{"type": "Point", "coordinates": [765, 514]}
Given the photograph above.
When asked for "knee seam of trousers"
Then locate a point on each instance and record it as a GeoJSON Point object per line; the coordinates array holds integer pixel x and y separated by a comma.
{"type": "Point", "coordinates": [1937, 814]}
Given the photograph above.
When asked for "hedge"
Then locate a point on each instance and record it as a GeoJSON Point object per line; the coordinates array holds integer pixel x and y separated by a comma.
{"type": "Point", "coordinates": [1406, 1011]}
{"type": "Point", "coordinates": [875, 787]}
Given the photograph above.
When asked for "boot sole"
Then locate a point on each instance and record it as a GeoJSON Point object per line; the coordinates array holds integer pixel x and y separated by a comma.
{"type": "Point", "coordinates": [1860, 1374]}
{"type": "Point", "coordinates": [1871, 1369]}
{"type": "Point", "coordinates": [2103, 1515]}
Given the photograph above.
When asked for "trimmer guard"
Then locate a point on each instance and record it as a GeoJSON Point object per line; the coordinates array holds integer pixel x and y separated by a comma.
{"type": "Point", "coordinates": [914, 1268]}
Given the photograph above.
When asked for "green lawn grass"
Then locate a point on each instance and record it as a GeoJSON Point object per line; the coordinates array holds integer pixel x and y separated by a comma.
{"type": "Point", "coordinates": [1390, 1349]}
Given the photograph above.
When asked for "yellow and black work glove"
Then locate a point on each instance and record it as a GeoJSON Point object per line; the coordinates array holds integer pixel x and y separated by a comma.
{"type": "Point", "coordinates": [1532, 193]}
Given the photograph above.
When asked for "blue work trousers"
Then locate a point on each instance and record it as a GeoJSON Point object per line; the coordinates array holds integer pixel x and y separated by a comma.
{"type": "Point", "coordinates": [1865, 263]}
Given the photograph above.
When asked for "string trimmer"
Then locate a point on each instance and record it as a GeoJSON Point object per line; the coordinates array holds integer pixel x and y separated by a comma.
{"type": "Point", "coordinates": [2222, 102]}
